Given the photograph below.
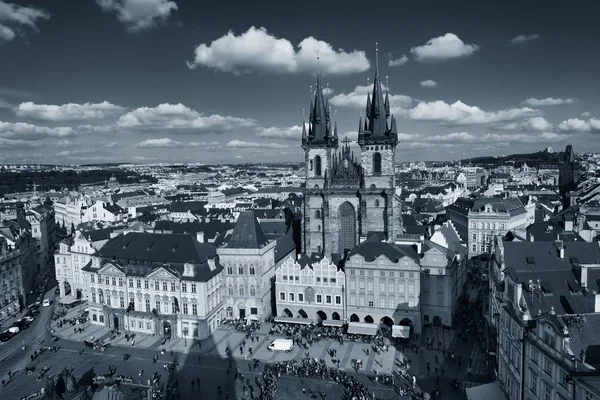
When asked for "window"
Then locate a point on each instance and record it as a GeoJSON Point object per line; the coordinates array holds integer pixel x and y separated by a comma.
{"type": "Point", "coordinates": [92, 278]}
{"type": "Point", "coordinates": [172, 286]}
{"type": "Point", "coordinates": [328, 299]}
{"type": "Point", "coordinates": [391, 287]}
{"type": "Point", "coordinates": [370, 273]}
{"type": "Point", "coordinates": [547, 391]}
{"type": "Point", "coordinates": [547, 366]}
{"type": "Point", "coordinates": [319, 298]}
{"type": "Point", "coordinates": [376, 163]}
{"type": "Point", "coordinates": [318, 166]}
{"type": "Point", "coordinates": [370, 302]}
{"type": "Point", "coordinates": [148, 305]}
{"type": "Point", "coordinates": [193, 288]}
{"type": "Point", "coordinates": [338, 300]}
{"type": "Point", "coordinates": [156, 285]}
{"type": "Point", "coordinates": [184, 287]}
{"type": "Point", "coordinates": [352, 272]}
{"type": "Point", "coordinates": [370, 286]}
{"type": "Point", "coordinates": [318, 214]}
{"type": "Point", "coordinates": [241, 290]}
{"type": "Point", "coordinates": [401, 288]}
{"type": "Point", "coordinates": [252, 291]}
{"type": "Point", "coordinates": [252, 271]}
{"type": "Point", "coordinates": [392, 303]}
{"type": "Point", "coordinates": [562, 378]}
{"type": "Point", "coordinates": [94, 317]}
{"type": "Point", "coordinates": [301, 297]}
{"type": "Point", "coordinates": [382, 274]}
{"type": "Point", "coordinates": [352, 300]}
{"type": "Point", "coordinates": [361, 301]}
{"type": "Point", "coordinates": [114, 281]}
{"type": "Point", "coordinates": [324, 280]}
{"type": "Point", "coordinates": [352, 285]}
{"type": "Point", "coordinates": [157, 306]}
{"type": "Point", "coordinates": [474, 247]}
{"type": "Point", "coordinates": [534, 355]}
{"type": "Point", "coordinates": [361, 285]}
{"type": "Point", "coordinates": [121, 282]}
{"type": "Point", "coordinates": [101, 318]}
{"type": "Point", "coordinates": [474, 225]}
{"type": "Point", "coordinates": [121, 301]}
{"type": "Point", "coordinates": [441, 271]}
{"type": "Point", "coordinates": [139, 283]}
{"type": "Point", "coordinates": [590, 396]}
{"type": "Point", "coordinates": [107, 280]}
{"type": "Point", "coordinates": [282, 296]}
{"type": "Point", "coordinates": [165, 286]}
{"type": "Point", "coordinates": [194, 309]}
{"type": "Point", "coordinates": [230, 270]}
{"type": "Point", "coordinates": [361, 273]}
{"type": "Point", "coordinates": [411, 274]}
{"type": "Point", "coordinates": [185, 308]}
{"type": "Point", "coordinates": [533, 382]}
{"type": "Point", "coordinates": [230, 290]}
{"type": "Point", "coordinates": [318, 279]}
{"type": "Point", "coordinates": [382, 303]}
{"type": "Point", "coordinates": [474, 237]}
{"type": "Point", "coordinates": [411, 288]}
{"type": "Point", "coordinates": [93, 297]}
{"type": "Point", "coordinates": [291, 296]}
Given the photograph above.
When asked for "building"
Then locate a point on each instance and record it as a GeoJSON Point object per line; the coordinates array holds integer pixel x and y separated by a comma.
{"type": "Point", "coordinates": [250, 260]}
{"type": "Point", "coordinates": [567, 168]}
{"type": "Point", "coordinates": [12, 290]}
{"type": "Point", "coordinates": [544, 315]}
{"type": "Point", "coordinates": [344, 199]}
{"type": "Point", "coordinates": [384, 284]}
{"type": "Point", "coordinates": [103, 211]}
{"type": "Point", "coordinates": [474, 177]}
{"type": "Point", "coordinates": [310, 289]}
{"type": "Point", "coordinates": [42, 222]}
{"type": "Point", "coordinates": [68, 211]}
{"type": "Point", "coordinates": [478, 220]}
{"type": "Point", "coordinates": [164, 284]}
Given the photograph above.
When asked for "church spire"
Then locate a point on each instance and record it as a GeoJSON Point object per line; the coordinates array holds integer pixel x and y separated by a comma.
{"type": "Point", "coordinates": [319, 126]}
{"type": "Point", "coordinates": [387, 97]}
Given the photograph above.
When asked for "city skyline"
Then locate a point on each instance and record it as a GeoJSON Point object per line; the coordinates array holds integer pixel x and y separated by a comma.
{"type": "Point", "coordinates": [171, 81]}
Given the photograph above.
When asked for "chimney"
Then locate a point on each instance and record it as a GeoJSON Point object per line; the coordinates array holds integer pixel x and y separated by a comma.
{"type": "Point", "coordinates": [597, 303]}
{"type": "Point", "coordinates": [561, 252]}
{"type": "Point", "coordinates": [200, 237]}
{"type": "Point", "coordinates": [584, 278]}
{"type": "Point", "coordinates": [419, 247]}
{"type": "Point", "coordinates": [531, 238]}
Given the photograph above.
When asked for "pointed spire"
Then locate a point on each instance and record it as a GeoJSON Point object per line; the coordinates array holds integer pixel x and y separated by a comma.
{"type": "Point", "coordinates": [360, 125]}
{"type": "Point", "coordinates": [335, 131]}
{"type": "Point", "coordinates": [368, 114]}
{"type": "Point", "coordinates": [386, 103]}
{"type": "Point", "coordinates": [303, 130]}
{"type": "Point", "coordinates": [393, 128]}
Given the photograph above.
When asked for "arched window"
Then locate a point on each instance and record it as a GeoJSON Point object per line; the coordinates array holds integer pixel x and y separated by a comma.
{"type": "Point", "coordinates": [241, 290]}
{"type": "Point", "coordinates": [252, 291]}
{"type": "Point", "coordinates": [230, 290]}
{"type": "Point", "coordinates": [376, 163]}
{"type": "Point", "coordinates": [318, 166]}
{"type": "Point", "coordinates": [318, 214]}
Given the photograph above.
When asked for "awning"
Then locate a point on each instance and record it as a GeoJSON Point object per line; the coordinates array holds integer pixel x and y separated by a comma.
{"type": "Point", "coordinates": [401, 331]}
{"type": "Point", "coordinates": [250, 318]}
{"type": "Point", "coordinates": [362, 328]}
{"type": "Point", "coordinates": [291, 320]}
{"type": "Point", "coordinates": [67, 300]}
{"type": "Point", "coordinates": [333, 322]}
{"type": "Point", "coordinates": [489, 391]}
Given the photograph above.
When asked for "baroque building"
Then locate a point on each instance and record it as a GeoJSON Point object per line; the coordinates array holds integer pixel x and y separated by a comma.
{"type": "Point", "coordinates": [345, 198]}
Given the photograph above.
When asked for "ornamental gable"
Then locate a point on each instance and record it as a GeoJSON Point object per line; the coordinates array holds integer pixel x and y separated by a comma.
{"type": "Point", "coordinates": [161, 273]}
{"type": "Point", "coordinates": [110, 269]}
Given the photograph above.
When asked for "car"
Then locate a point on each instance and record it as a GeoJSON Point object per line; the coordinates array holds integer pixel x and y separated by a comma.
{"type": "Point", "coordinates": [46, 303]}
{"type": "Point", "coordinates": [28, 319]}
{"type": "Point", "coordinates": [6, 336]}
{"type": "Point", "coordinates": [57, 291]}
{"type": "Point", "coordinates": [285, 345]}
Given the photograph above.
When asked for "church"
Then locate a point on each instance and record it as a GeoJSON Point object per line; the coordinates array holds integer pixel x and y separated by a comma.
{"type": "Point", "coordinates": [348, 197]}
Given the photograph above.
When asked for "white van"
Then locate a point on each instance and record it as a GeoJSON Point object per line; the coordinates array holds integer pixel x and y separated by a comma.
{"type": "Point", "coordinates": [46, 303]}
{"type": "Point", "coordinates": [281, 345]}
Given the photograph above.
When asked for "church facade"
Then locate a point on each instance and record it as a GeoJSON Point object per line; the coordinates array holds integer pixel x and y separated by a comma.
{"type": "Point", "coordinates": [349, 197]}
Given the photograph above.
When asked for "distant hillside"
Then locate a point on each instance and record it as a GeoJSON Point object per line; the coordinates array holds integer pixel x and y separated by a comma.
{"type": "Point", "coordinates": [532, 159]}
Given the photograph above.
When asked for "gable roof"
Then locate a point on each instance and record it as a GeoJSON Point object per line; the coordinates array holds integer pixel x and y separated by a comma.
{"type": "Point", "coordinates": [370, 250]}
{"type": "Point", "coordinates": [247, 233]}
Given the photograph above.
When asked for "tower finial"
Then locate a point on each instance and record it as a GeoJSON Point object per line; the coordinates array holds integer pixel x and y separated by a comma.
{"type": "Point", "coordinates": [377, 57]}
{"type": "Point", "coordinates": [318, 64]}
{"type": "Point", "coordinates": [303, 114]}
{"type": "Point", "coordinates": [387, 83]}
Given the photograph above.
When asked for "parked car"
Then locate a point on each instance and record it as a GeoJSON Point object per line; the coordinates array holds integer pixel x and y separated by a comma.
{"type": "Point", "coordinates": [46, 303]}
{"type": "Point", "coordinates": [6, 336]}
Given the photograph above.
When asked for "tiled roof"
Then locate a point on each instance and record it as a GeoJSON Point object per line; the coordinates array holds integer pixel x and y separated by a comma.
{"type": "Point", "coordinates": [195, 207]}
{"type": "Point", "coordinates": [284, 246]}
{"type": "Point", "coordinates": [370, 250]}
{"type": "Point", "coordinates": [210, 229]}
{"type": "Point", "coordinates": [583, 336]}
{"type": "Point", "coordinates": [512, 205]}
{"type": "Point", "coordinates": [247, 233]}
{"type": "Point", "coordinates": [96, 235]}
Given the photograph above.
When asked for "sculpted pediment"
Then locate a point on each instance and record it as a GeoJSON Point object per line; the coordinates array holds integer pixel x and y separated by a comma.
{"type": "Point", "coordinates": [161, 273]}
{"type": "Point", "coordinates": [110, 268]}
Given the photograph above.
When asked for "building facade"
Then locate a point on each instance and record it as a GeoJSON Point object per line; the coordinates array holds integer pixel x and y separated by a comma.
{"type": "Point", "coordinates": [311, 289]}
{"type": "Point", "coordinates": [166, 284]}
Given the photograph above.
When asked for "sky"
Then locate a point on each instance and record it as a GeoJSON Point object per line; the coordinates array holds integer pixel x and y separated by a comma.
{"type": "Point", "coordinates": [145, 81]}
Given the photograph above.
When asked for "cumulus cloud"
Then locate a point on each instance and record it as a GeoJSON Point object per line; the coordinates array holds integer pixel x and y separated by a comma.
{"type": "Point", "coordinates": [469, 138]}
{"type": "Point", "coordinates": [429, 83]}
{"type": "Point", "coordinates": [459, 113]}
{"type": "Point", "coordinates": [358, 98]}
{"type": "Point", "coordinates": [586, 114]}
{"type": "Point", "coordinates": [328, 92]}
{"type": "Point", "coordinates": [180, 117]}
{"type": "Point", "coordinates": [536, 124]}
{"type": "Point", "coordinates": [165, 143]}
{"type": "Point", "coordinates": [520, 39]}
{"type": "Point", "coordinates": [64, 143]}
{"type": "Point", "coordinates": [288, 133]}
{"type": "Point", "coordinates": [68, 112]}
{"type": "Point", "coordinates": [139, 15]}
{"type": "Point", "coordinates": [257, 50]}
{"type": "Point", "coordinates": [580, 125]}
{"type": "Point", "coordinates": [443, 48]}
{"type": "Point", "coordinates": [23, 131]}
{"type": "Point", "coordinates": [239, 144]}
{"type": "Point", "coordinates": [18, 143]}
{"type": "Point", "coordinates": [15, 20]}
{"type": "Point", "coordinates": [75, 152]}
{"type": "Point", "coordinates": [104, 129]}
{"type": "Point", "coordinates": [398, 62]}
{"type": "Point", "coordinates": [110, 145]}
{"type": "Point", "coordinates": [548, 101]}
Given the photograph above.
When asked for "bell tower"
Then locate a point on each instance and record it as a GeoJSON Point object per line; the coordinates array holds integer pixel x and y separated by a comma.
{"type": "Point", "coordinates": [319, 142]}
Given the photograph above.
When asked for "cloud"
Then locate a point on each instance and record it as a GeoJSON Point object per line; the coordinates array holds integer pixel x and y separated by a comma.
{"type": "Point", "coordinates": [288, 133]}
{"type": "Point", "coordinates": [398, 62]}
{"type": "Point", "coordinates": [239, 144]}
{"type": "Point", "coordinates": [579, 125]}
{"type": "Point", "coordinates": [466, 137]}
{"type": "Point", "coordinates": [256, 50]}
{"type": "Point", "coordinates": [110, 145]}
{"type": "Point", "coordinates": [14, 17]}
{"type": "Point", "coordinates": [139, 15]}
{"type": "Point", "coordinates": [180, 117]}
{"type": "Point", "coordinates": [103, 129]}
{"type": "Point", "coordinates": [586, 114]}
{"type": "Point", "coordinates": [358, 98]}
{"type": "Point", "coordinates": [68, 112]}
{"type": "Point", "coordinates": [429, 83]}
{"type": "Point", "coordinates": [70, 153]}
{"type": "Point", "coordinates": [548, 101]}
{"type": "Point", "coordinates": [18, 144]}
{"type": "Point", "coordinates": [328, 92]}
{"type": "Point", "coordinates": [443, 48]}
{"type": "Point", "coordinates": [64, 143]}
{"type": "Point", "coordinates": [23, 131]}
{"type": "Point", "coordinates": [535, 124]}
{"type": "Point", "coordinates": [5, 104]}
{"type": "Point", "coordinates": [459, 113]}
{"type": "Point", "coordinates": [524, 38]}
{"type": "Point", "coordinates": [165, 143]}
